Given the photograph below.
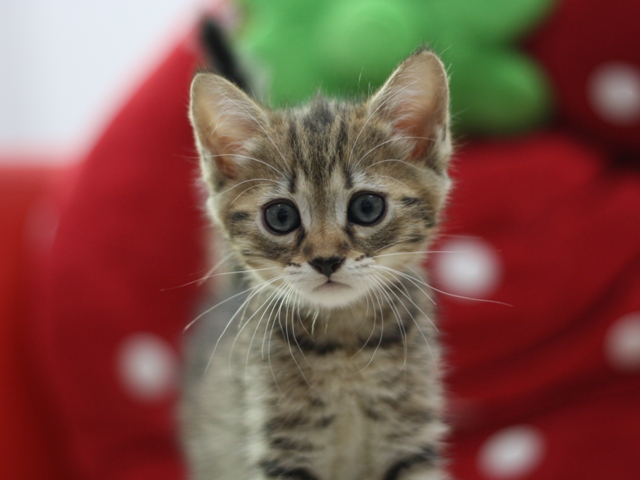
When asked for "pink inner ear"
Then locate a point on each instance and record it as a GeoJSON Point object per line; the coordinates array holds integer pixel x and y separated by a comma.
{"type": "Point", "coordinates": [421, 133]}
{"type": "Point", "coordinates": [227, 167]}
{"type": "Point", "coordinates": [226, 120]}
{"type": "Point", "coordinates": [216, 146]}
{"type": "Point", "coordinates": [421, 125]}
{"type": "Point", "coordinates": [419, 93]}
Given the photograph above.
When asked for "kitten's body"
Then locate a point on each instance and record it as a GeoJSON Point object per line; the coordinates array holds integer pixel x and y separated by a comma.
{"type": "Point", "coordinates": [330, 369]}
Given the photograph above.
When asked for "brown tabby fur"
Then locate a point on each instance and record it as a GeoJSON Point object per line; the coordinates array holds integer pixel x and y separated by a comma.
{"type": "Point", "coordinates": [323, 378]}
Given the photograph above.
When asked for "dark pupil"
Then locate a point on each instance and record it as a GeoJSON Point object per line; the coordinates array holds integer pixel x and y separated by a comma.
{"type": "Point", "coordinates": [366, 209]}
{"type": "Point", "coordinates": [282, 217]}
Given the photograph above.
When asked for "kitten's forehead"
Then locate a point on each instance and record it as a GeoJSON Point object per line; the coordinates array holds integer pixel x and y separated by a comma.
{"type": "Point", "coordinates": [319, 139]}
{"type": "Point", "coordinates": [318, 136]}
{"type": "Point", "coordinates": [327, 138]}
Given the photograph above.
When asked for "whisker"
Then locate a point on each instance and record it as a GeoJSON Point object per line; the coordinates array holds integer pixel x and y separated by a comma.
{"type": "Point", "coordinates": [244, 323]}
{"type": "Point", "coordinates": [395, 138]}
{"type": "Point", "coordinates": [246, 157]}
{"type": "Point", "coordinates": [245, 191]}
{"type": "Point", "coordinates": [403, 334]}
{"type": "Point", "coordinates": [249, 298]}
{"type": "Point", "coordinates": [411, 279]}
{"type": "Point", "coordinates": [408, 296]}
{"type": "Point", "coordinates": [238, 272]}
{"type": "Point", "coordinates": [388, 245]}
{"type": "Point", "coordinates": [201, 280]}
{"type": "Point", "coordinates": [313, 322]}
{"type": "Point", "coordinates": [259, 124]}
{"type": "Point", "coordinates": [373, 149]}
{"type": "Point", "coordinates": [247, 181]}
{"type": "Point", "coordinates": [209, 310]}
{"type": "Point", "coordinates": [385, 101]}
{"type": "Point", "coordinates": [373, 327]}
{"type": "Point", "coordinates": [417, 167]}
{"type": "Point", "coordinates": [462, 297]}
{"type": "Point", "coordinates": [394, 180]}
{"type": "Point", "coordinates": [293, 332]}
{"type": "Point", "coordinates": [375, 293]}
{"type": "Point", "coordinates": [286, 333]}
{"type": "Point", "coordinates": [273, 324]}
{"type": "Point", "coordinates": [278, 299]}
{"type": "Point", "coordinates": [272, 296]}
{"type": "Point", "coordinates": [298, 303]}
{"type": "Point", "coordinates": [413, 253]}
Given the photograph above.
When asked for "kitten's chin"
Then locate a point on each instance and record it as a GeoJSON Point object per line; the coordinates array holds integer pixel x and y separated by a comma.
{"type": "Point", "coordinates": [333, 294]}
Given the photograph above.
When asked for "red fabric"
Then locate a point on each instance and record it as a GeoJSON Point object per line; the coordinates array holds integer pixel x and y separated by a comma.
{"type": "Point", "coordinates": [566, 235]}
{"type": "Point", "coordinates": [128, 240]}
{"type": "Point", "coordinates": [580, 39]}
{"type": "Point", "coordinates": [25, 198]}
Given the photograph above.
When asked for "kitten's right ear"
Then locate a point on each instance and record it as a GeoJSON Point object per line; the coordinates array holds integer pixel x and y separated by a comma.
{"type": "Point", "coordinates": [415, 101]}
{"type": "Point", "coordinates": [226, 122]}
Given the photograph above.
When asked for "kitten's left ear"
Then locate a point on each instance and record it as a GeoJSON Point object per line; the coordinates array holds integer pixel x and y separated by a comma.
{"type": "Point", "coordinates": [226, 122]}
{"type": "Point", "coordinates": [415, 101]}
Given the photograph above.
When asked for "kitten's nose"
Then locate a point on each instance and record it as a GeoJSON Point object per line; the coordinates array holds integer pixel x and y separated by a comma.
{"type": "Point", "coordinates": [326, 266]}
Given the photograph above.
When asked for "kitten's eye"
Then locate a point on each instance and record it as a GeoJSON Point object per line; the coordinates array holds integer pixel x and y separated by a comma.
{"type": "Point", "coordinates": [366, 209]}
{"type": "Point", "coordinates": [281, 217]}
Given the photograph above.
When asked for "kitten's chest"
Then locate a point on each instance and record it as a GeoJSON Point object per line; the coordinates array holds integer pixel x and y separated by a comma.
{"type": "Point", "coordinates": [351, 391]}
{"type": "Point", "coordinates": [350, 442]}
{"type": "Point", "coordinates": [343, 406]}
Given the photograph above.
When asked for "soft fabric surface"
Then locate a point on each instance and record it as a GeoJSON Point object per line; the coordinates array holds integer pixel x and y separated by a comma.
{"type": "Point", "coordinates": [591, 54]}
{"type": "Point", "coordinates": [26, 228]}
{"type": "Point", "coordinates": [546, 385]}
{"type": "Point", "coordinates": [129, 244]}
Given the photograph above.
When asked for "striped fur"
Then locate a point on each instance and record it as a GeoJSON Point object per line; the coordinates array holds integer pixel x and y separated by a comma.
{"type": "Point", "coordinates": [322, 376]}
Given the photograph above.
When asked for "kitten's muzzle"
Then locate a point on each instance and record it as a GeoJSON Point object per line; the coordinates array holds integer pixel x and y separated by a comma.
{"type": "Point", "coordinates": [326, 266]}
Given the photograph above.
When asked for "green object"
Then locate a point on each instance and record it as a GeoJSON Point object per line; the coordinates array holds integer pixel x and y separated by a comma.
{"type": "Point", "coordinates": [346, 47]}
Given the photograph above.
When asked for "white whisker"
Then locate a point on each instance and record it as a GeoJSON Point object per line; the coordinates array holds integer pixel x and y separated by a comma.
{"type": "Point", "coordinates": [259, 124]}
{"type": "Point", "coordinates": [209, 310]}
{"type": "Point", "coordinates": [411, 279]}
{"type": "Point", "coordinates": [203, 279]}
{"type": "Point", "coordinates": [246, 157]}
{"type": "Point", "coordinates": [247, 181]}
{"type": "Point", "coordinates": [382, 104]}
{"type": "Point", "coordinates": [266, 304]}
{"type": "Point", "coordinates": [384, 288]}
{"type": "Point", "coordinates": [248, 299]}
{"type": "Point", "coordinates": [419, 252]}
{"type": "Point", "coordinates": [462, 297]}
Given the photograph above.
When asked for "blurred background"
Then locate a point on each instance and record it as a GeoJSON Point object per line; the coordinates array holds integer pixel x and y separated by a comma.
{"type": "Point", "coordinates": [67, 65]}
{"type": "Point", "coordinates": [101, 230]}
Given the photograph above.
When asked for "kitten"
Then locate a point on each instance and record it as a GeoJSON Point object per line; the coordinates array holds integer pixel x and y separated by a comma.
{"type": "Point", "coordinates": [332, 372]}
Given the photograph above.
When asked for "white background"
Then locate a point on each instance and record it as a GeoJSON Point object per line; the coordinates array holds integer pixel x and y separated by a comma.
{"type": "Point", "coordinates": [66, 66]}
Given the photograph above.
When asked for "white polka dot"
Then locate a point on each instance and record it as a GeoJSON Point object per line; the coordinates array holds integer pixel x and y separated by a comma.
{"type": "Point", "coordinates": [614, 93]}
{"type": "Point", "coordinates": [467, 267]}
{"type": "Point", "coordinates": [511, 453]}
{"type": "Point", "coordinates": [147, 366]}
{"type": "Point", "coordinates": [622, 343]}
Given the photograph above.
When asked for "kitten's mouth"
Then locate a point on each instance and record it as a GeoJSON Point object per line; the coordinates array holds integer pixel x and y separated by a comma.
{"type": "Point", "coordinates": [331, 285]}
{"type": "Point", "coordinates": [331, 293]}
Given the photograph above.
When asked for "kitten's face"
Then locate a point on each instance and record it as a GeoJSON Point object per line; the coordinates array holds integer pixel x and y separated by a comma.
{"type": "Point", "coordinates": [329, 201]}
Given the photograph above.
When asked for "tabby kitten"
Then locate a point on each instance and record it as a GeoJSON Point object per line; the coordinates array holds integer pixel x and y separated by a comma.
{"type": "Point", "coordinates": [332, 370]}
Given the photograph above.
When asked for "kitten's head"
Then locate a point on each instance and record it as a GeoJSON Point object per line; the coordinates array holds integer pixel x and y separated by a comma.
{"type": "Point", "coordinates": [327, 200]}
